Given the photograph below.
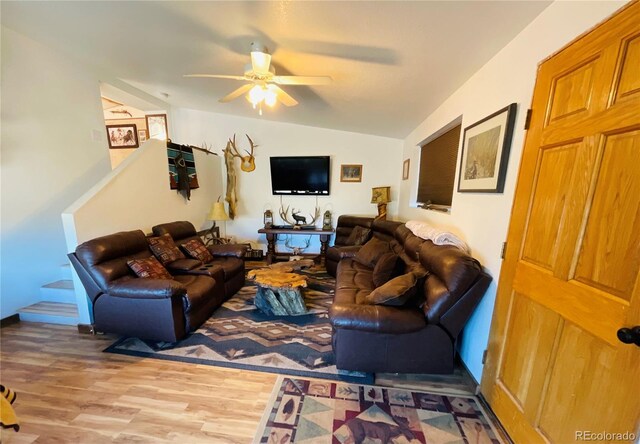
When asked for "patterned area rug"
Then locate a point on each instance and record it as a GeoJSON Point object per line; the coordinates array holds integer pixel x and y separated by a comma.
{"type": "Point", "coordinates": [240, 336]}
{"type": "Point", "coordinates": [310, 411]}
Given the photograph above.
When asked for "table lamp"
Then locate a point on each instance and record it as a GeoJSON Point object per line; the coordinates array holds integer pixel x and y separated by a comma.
{"type": "Point", "coordinates": [381, 196]}
{"type": "Point", "coordinates": [217, 213]}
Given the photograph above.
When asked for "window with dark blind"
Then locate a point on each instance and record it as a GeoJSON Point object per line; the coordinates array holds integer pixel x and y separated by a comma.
{"type": "Point", "coordinates": [438, 168]}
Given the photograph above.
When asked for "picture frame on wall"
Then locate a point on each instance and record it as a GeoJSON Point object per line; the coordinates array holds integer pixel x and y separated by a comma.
{"type": "Point", "coordinates": [142, 135]}
{"type": "Point", "coordinates": [485, 152]}
{"type": "Point", "coordinates": [157, 126]}
{"type": "Point", "coordinates": [350, 173]}
{"type": "Point", "coordinates": [405, 169]}
{"type": "Point", "coordinates": [122, 136]}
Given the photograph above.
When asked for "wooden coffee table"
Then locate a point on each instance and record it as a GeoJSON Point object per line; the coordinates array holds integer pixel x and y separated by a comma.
{"type": "Point", "coordinates": [279, 293]}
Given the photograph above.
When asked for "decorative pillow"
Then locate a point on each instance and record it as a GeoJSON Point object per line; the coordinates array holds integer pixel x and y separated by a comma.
{"type": "Point", "coordinates": [387, 267]}
{"type": "Point", "coordinates": [149, 268]}
{"type": "Point", "coordinates": [370, 252]}
{"type": "Point", "coordinates": [359, 235]}
{"type": "Point", "coordinates": [195, 248]}
{"type": "Point", "coordinates": [164, 249]}
{"type": "Point", "coordinates": [396, 292]}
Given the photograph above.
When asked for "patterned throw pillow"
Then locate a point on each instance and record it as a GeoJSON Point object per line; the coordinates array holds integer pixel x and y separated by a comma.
{"type": "Point", "coordinates": [196, 249]}
{"type": "Point", "coordinates": [165, 249]}
{"type": "Point", "coordinates": [359, 235]}
{"type": "Point", "coordinates": [149, 268]}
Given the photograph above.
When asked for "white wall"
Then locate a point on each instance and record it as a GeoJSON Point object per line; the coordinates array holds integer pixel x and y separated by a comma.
{"type": "Point", "coordinates": [50, 105]}
{"type": "Point", "coordinates": [482, 219]}
{"type": "Point", "coordinates": [136, 195]}
{"type": "Point", "coordinates": [380, 157]}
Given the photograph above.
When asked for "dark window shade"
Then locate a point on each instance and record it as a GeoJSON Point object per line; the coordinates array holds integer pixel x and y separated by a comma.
{"type": "Point", "coordinates": [438, 168]}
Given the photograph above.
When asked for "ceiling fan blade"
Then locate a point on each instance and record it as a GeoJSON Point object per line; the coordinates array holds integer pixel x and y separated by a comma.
{"type": "Point", "coordinates": [260, 61]}
{"type": "Point", "coordinates": [285, 98]}
{"type": "Point", "coordinates": [237, 93]}
{"type": "Point", "coordinates": [302, 80]}
{"type": "Point", "coordinates": [215, 76]}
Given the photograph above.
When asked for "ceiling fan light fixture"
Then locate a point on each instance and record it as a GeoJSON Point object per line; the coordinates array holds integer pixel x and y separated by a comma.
{"type": "Point", "coordinates": [256, 95]}
{"type": "Point", "coordinates": [270, 96]}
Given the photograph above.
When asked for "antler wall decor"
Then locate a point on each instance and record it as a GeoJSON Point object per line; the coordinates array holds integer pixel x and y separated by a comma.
{"type": "Point", "coordinates": [296, 250]}
{"type": "Point", "coordinates": [248, 162]}
{"type": "Point", "coordinates": [298, 220]}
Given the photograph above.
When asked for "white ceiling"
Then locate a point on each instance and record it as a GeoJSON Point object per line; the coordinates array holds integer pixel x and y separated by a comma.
{"type": "Point", "coordinates": [392, 62]}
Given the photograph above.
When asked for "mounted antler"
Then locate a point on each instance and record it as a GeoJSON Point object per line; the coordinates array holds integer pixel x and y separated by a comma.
{"type": "Point", "coordinates": [297, 250]}
{"type": "Point", "coordinates": [248, 163]}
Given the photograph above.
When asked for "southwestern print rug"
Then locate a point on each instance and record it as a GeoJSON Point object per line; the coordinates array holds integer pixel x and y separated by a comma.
{"type": "Point", "coordinates": [318, 412]}
{"type": "Point", "coordinates": [240, 336]}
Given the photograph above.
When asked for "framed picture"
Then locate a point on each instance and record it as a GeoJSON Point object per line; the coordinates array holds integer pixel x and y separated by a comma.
{"type": "Point", "coordinates": [405, 169]}
{"type": "Point", "coordinates": [157, 126]}
{"type": "Point", "coordinates": [142, 135]}
{"type": "Point", "coordinates": [122, 136]}
{"type": "Point", "coordinates": [485, 152]}
{"type": "Point", "coordinates": [350, 173]}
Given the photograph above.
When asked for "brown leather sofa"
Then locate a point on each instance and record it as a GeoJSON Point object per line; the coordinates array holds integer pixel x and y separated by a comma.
{"type": "Point", "coordinates": [420, 336]}
{"type": "Point", "coordinates": [152, 309]}
{"type": "Point", "coordinates": [226, 258]}
{"type": "Point", "coordinates": [340, 249]}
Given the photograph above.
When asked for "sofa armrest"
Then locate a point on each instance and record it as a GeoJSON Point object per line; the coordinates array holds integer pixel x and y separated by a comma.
{"type": "Point", "coordinates": [339, 253]}
{"type": "Point", "coordinates": [143, 288]}
{"type": "Point", "coordinates": [376, 318]}
{"type": "Point", "coordinates": [183, 265]}
{"type": "Point", "coordinates": [235, 250]}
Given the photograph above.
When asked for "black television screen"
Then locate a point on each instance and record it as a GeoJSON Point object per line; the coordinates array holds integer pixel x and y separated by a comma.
{"type": "Point", "coordinates": [300, 175]}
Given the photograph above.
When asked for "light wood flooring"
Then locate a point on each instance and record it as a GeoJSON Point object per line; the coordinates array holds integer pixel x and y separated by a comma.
{"type": "Point", "coordinates": [69, 391]}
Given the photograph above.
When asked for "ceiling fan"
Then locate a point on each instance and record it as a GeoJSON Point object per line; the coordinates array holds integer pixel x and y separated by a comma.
{"type": "Point", "coordinates": [263, 81]}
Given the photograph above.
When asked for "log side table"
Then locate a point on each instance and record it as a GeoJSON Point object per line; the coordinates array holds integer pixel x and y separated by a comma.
{"type": "Point", "coordinates": [279, 293]}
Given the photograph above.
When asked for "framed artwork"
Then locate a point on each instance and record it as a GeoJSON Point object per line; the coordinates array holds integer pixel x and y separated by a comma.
{"type": "Point", "coordinates": [485, 152]}
{"type": "Point", "coordinates": [157, 126]}
{"type": "Point", "coordinates": [122, 136]}
{"type": "Point", "coordinates": [405, 169]}
{"type": "Point", "coordinates": [350, 173]}
{"type": "Point", "coordinates": [142, 135]}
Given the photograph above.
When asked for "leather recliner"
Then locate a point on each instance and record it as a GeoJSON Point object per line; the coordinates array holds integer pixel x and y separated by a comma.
{"type": "Point", "coordinates": [419, 337]}
{"type": "Point", "coordinates": [340, 249]}
{"type": "Point", "coordinates": [153, 309]}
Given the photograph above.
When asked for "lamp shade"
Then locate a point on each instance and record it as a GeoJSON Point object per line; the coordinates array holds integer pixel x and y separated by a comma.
{"type": "Point", "coordinates": [217, 212]}
{"type": "Point", "coordinates": [380, 195]}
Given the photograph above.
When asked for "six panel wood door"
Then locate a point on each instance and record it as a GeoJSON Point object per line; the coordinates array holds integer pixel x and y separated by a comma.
{"type": "Point", "coordinates": [555, 367]}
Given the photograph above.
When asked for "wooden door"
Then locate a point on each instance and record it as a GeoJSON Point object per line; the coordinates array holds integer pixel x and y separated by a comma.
{"type": "Point", "coordinates": [570, 279]}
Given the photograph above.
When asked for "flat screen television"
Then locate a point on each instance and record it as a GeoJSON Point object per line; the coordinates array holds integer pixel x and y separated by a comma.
{"type": "Point", "coordinates": [300, 175]}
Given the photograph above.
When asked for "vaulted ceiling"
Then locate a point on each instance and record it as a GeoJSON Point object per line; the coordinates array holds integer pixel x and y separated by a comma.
{"type": "Point", "coordinates": [392, 63]}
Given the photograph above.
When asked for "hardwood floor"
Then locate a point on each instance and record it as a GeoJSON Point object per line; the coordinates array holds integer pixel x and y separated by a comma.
{"type": "Point", "coordinates": [69, 391]}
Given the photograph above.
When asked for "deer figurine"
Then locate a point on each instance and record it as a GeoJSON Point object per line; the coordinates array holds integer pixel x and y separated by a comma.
{"type": "Point", "coordinates": [299, 219]}
{"type": "Point", "coordinates": [248, 162]}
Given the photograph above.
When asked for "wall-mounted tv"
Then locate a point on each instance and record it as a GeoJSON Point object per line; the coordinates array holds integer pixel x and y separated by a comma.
{"type": "Point", "coordinates": [300, 175]}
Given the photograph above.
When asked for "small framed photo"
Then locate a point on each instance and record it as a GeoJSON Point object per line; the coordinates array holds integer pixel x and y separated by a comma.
{"type": "Point", "coordinates": [485, 152]}
{"type": "Point", "coordinates": [142, 135]}
{"type": "Point", "coordinates": [122, 136]}
{"type": "Point", "coordinates": [350, 173]}
{"type": "Point", "coordinates": [405, 169]}
{"type": "Point", "coordinates": [157, 126]}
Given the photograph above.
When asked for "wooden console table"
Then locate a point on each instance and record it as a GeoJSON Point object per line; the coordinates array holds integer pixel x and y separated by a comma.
{"type": "Point", "coordinates": [272, 237]}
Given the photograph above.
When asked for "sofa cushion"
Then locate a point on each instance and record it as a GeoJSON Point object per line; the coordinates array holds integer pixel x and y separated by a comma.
{"type": "Point", "coordinates": [359, 235]}
{"type": "Point", "coordinates": [200, 290]}
{"type": "Point", "coordinates": [196, 249]}
{"type": "Point", "coordinates": [182, 266]}
{"type": "Point", "coordinates": [165, 249]}
{"type": "Point", "coordinates": [231, 266]}
{"type": "Point", "coordinates": [371, 251]}
{"type": "Point", "coordinates": [149, 268]}
{"type": "Point", "coordinates": [397, 292]}
{"type": "Point", "coordinates": [387, 267]}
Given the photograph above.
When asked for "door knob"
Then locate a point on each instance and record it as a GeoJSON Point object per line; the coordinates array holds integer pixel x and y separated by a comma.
{"type": "Point", "coordinates": [630, 335]}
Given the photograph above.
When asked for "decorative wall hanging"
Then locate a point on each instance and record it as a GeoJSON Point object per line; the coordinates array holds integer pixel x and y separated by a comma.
{"type": "Point", "coordinates": [485, 152]}
{"type": "Point", "coordinates": [230, 197]}
{"type": "Point", "coordinates": [350, 173]}
{"type": "Point", "coordinates": [248, 162]}
{"type": "Point", "coordinates": [182, 168]}
{"type": "Point", "coordinates": [122, 136]}
{"type": "Point", "coordinates": [157, 126]}
{"type": "Point", "coordinates": [405, 169]}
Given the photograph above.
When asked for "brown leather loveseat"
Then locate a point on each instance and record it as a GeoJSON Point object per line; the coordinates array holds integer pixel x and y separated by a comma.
{"type": "Point", "coordinates": [153, 309]}
{"type": "Point", "coordinates": [419, 336]}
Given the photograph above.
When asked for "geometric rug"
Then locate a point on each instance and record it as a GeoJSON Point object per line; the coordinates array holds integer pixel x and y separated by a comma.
{"type": "Point", "coordinates": [240, 336]}
{"type": "Point", "coordinates": [307, 411]}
